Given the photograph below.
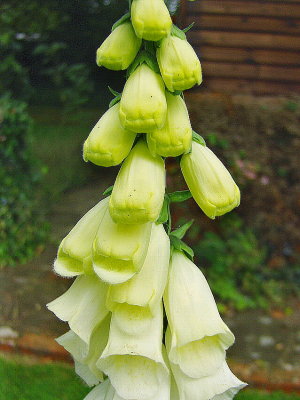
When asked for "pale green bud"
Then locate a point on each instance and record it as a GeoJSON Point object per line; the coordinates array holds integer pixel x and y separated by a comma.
{"type": "Point", "coordinates": [143, 105]}
{"type": "Point", "coordinates": [119, 251]}
{"type": "Point", "coordinates": [108, 143]}
{"type": "Point", "coordinates": [175, 137]}
{"type": "Point", "coordinates": [82, 305]}
{"type": "Point", "coordinates": [133, 358]}
{"type": "Point", "coordinates": [146, 288]}
{"type": "Point", "coordinates": [138, 192]}
{"type": "Point", "coordinates": [209, 181]}
{"type": "Point", "coordinates": [198, 338]}
{"type": "Point", "coordinates": [75, 251]}
{"type": "Point", "coordinates": [119, 49]}
{"type": "Point", "coordinates": [151, 19]}
{"type": "Point", "coordinates": [178, 64]}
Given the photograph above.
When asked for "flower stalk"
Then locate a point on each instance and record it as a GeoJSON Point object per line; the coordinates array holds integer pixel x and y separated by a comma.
{"type": "Point", "coordinates": [131, 267]}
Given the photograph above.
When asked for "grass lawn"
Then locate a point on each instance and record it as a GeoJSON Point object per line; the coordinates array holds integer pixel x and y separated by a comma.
{"type": "Point", "coordinates": [57, 141]}
{"type": "Point", "coordinates": [19, 381]}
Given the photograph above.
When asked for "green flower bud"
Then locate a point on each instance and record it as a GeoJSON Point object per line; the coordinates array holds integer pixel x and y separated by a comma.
{"type": "Point", "coordinates": [151, 19]}
{"type": "Point", "coordinates": [175, 138]}
{"type": "Point", "coordinates": [119, 49]}
{"type": "Point", "coordinates": [178, 64]}
{"type": "Point", "coordinates": [108, 143]}
{"type": "Point", "coordinates": [209, 181]}
{"type": "Point", "coordinates": [143, 105]}
{"type": "Point", "coordinates": [119, 251]}
{"type": "Point", "coordinates": [138, 192]}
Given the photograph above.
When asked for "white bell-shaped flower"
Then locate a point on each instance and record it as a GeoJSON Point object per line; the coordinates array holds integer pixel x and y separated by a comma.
{"type": "Point", "coordinates": [222, 385]}
{"type": "Point", "coordinates": [119, 250]}
{"type": "Point", "coordinates": [198, 336]}
{"type": "Point", "coordinates": [105, 391]}
{"type": "Point", "coordinates": [133, 357]}
{"type": "Point", "coordinates": [146, 288]}
{"type": "Point", "coordinates": [82, 305]}
{"type": "Point", "coordinates": [86, 355]}
{"type": "Point", "coordinates": [75, 251]}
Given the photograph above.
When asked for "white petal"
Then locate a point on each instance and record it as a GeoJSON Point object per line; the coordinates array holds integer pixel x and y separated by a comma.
{"type": "Point", "coordinates": [87, 354]}
{"type": "Point", "coordinates": [74, 345]}
{"type": "Point", "coordinates": [75, 251]}
{"type": "Point", "coordinates": [82, 306]}
{"type": "Point", "coordinates": [194, 320]}
{"type": "Point", "coordinates": [119, 251]}
{"type": "Point", "coordinates": [146, 288]}
{"type": "Point", "coordinates": [223, 385]}
{"type": "Point", "coordinates": [85, 373]}
{"type": "Point", "coordinates": [133, 356]}
{"type": "Point", "coordinates": [99, 392]}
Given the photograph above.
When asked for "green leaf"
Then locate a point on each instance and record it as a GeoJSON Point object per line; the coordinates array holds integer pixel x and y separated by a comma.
{"type": "Point", "coordinates": [114, 92]}
{"type": "Point", "coordinates": [179, 245]}
{"type": "Point", "coordinates": [120, 21]}
{"type": "Point", "coordinates": [164, 213]}
{"type": "Point", "coordinates": [108, 191]}
{"type": "Point", "coordinates": [115, 100]}
{"type": "Point", "coordinates": [188, 250]}
{"type": "Point", "coordinates": [175, 31]}
{"type": "Point", "coordinates": [199, 139]}
{"type": "Point", "coordinates": [185, 30]}
{"type": "Point", "coordinates": [144, 57]}
{"type": "Point", "coordinates": [180, 232]}
{"type": "Point", "coordinates": [176, 92]}
{"type": "Point", "coordinates": [180, 196]}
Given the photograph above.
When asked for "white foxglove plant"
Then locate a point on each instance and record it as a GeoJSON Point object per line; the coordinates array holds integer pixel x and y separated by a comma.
{"type": "Point", "coordinates": [130, 267]}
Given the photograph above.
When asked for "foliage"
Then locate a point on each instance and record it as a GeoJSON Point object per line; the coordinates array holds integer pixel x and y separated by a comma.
{"type": "Point", "coordinates": [52, 45]}
{"type": "Point", "coordinates": [22, 229]}
{"type": "Point", "coordinates": [39, 382]}
{"type": "Point", "coordinates": [232, 260]}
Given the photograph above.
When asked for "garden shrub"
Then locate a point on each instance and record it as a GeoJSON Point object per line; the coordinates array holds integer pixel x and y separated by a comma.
{"type": "Point", "coordinates": [21, 225]}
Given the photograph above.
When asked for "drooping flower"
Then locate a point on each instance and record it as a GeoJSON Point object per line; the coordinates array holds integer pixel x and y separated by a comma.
{"type": "Point", "coordinates": [146, 288]}
{"type": "Point", "coordinates": [209, 181]}
{"type": "Point", "coordinates": [222, 385]}
{"type": "Point", "coordinates": [198, 338]}
{"type": "Point", "coordinates": [143, 105]}
{"type": "Point", "coordinates": [178, 64]}
{"type": "Point", "coordinates": [175, 137]}
{"type": "Point", "coordinates": [151, 19]}
{"type": "Point", "coordinates": [86, 355]}
{"type": "Point", "coordinates": [133, 357]}
{"type": "Point", "coordinates": [75, 251]}
{"type": "Point", "coordinates": [108, 143]}
{"type": "Point", "coordinates": [119, 250]}
{"type": "Point", "coordinates": [139, 189]}
{"type": "Point", "coordinates": [82, 305]}
{"type": "Point", "coordinates": [105, 391]}
{"type": "Point", "coordinates": [119, 49]}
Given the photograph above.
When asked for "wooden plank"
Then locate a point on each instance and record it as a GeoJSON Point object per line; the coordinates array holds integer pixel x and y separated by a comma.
{"type": "Point", "coordinates": [245, 7]}
{"type": "Point", "coordinates": [245, 23]}
{"type": "Point", "coordinates": [248, 56]}
{"type": "Point", "coordinates": [257, 72]}
{"type": "Point", "coordinates": [240, 86]}
{"type": "Point", "coordinates": [243, 39]}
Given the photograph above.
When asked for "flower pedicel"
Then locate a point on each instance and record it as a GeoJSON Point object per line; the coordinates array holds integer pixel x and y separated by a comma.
{"type": "Point", "coordinates": [129, 266]}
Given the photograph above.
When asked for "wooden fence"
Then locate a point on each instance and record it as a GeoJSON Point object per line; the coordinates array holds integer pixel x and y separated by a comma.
{"type": "Point", "coordinates": [246, 46]}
